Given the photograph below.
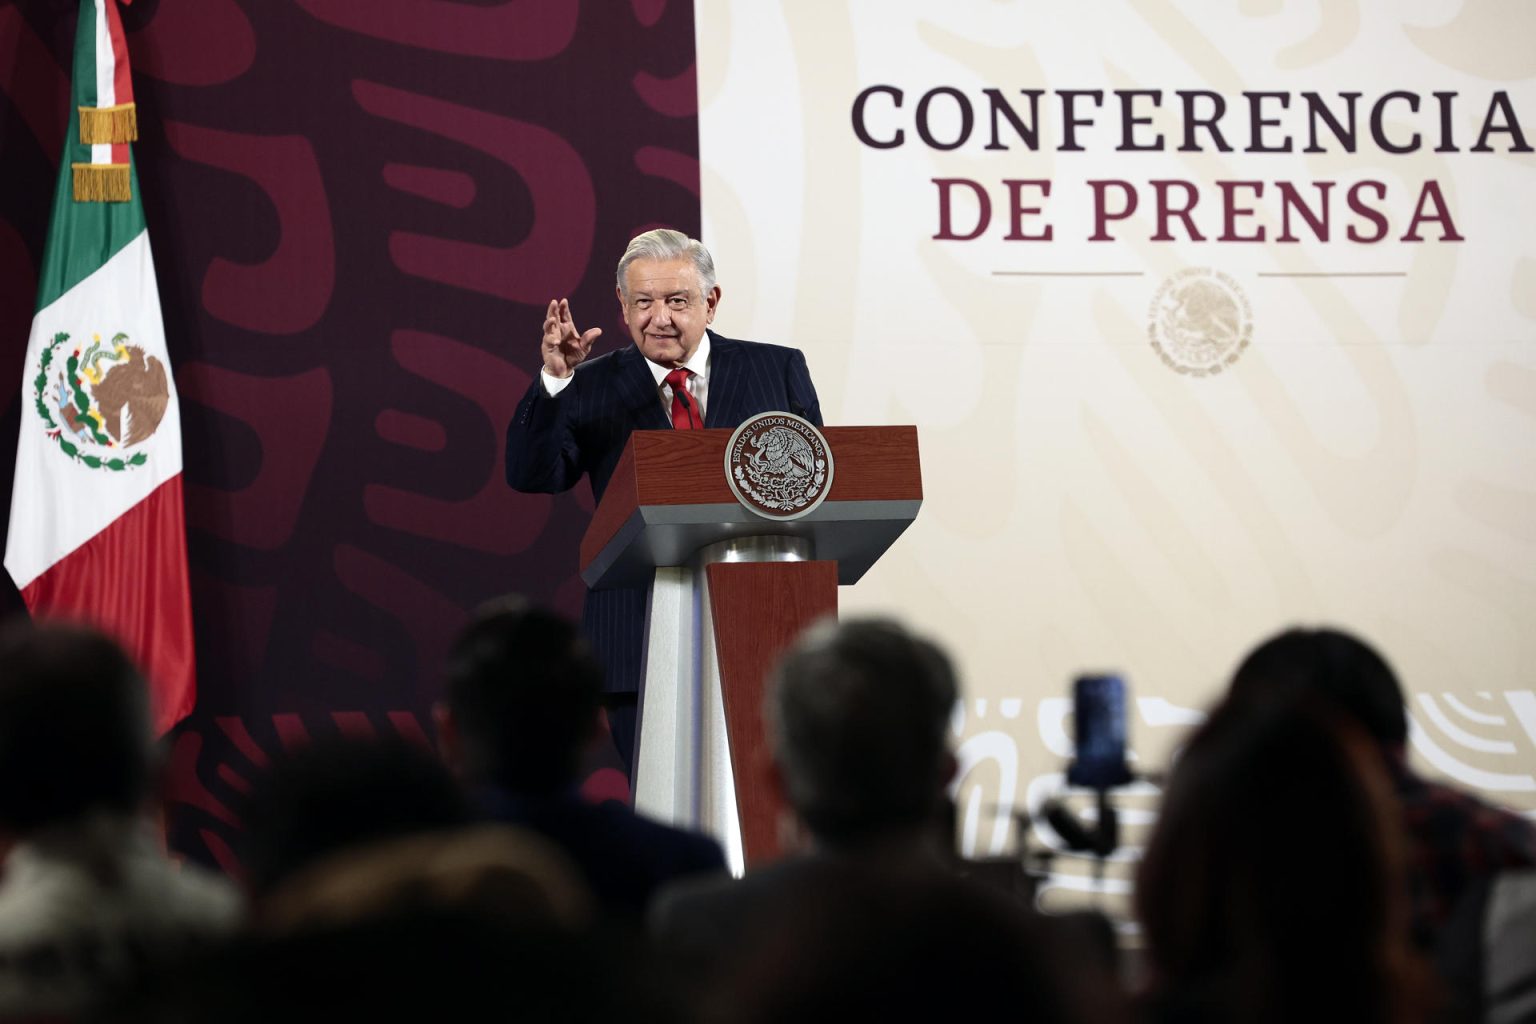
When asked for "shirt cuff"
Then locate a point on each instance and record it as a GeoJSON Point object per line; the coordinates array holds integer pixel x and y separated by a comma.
{"type": "Point", "coordinates": [554, 385]}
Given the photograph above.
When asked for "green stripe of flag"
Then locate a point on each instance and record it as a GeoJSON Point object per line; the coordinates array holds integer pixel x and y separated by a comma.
{"type": "Point", "coordinates": [84, 91]}
{"type": "Point", "coordinates": [83, 236]}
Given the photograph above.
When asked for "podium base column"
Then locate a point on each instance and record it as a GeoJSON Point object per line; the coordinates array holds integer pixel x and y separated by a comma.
{"type": "Point", "coordinates": [700, 758]}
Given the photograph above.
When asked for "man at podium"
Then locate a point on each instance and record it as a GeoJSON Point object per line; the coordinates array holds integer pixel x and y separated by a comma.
{"type": "Point", "coordinates": [678, 375]}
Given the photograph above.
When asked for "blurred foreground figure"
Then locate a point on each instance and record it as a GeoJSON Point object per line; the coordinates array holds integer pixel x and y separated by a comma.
{"type": "Point", "coordinates": [340, 795]}
{"type": "Point", "coordinates": [894, 944]}
{"type": "Point", "coordinates": [1455, 841]}
{"type": "Point", "coordinates": [1272, 887]}
{"type": "Point", "coordinates": [508, 875]}
{"type": "Point", "coordinates": [520, 710]}
{"type": "Point", "coordinates": [374, 901]}
{"type": "Point", "coordinates": [858, 714]}
{"type": "Point", "coordinates": [869, 922]}
{"type": "Point", "coordinates": [424, 962]}
{"type": "Point", "coordinates": [87, 897]}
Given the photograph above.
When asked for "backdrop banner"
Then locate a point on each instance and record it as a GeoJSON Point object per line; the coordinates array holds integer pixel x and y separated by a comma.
{"type": "Point", "coordinates": [360, 213]}
{"type": "Point", "coordinates": [1213, 319]}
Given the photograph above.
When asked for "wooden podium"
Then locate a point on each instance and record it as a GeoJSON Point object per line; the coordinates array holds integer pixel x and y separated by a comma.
{"type": "Point", "coordinates": [730, 590]}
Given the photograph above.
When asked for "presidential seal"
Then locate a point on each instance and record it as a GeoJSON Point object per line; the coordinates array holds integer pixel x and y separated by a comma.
{"type": "Point", "coordinates": [97, 400]}
{"type": "Point", "coordinates": [778, 465]}
{"type": "Point", "coordinates": [1200, 321]}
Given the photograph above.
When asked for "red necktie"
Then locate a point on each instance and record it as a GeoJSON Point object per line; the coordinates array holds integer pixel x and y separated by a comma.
{"type": "Point", "coordinates": [685, 411]}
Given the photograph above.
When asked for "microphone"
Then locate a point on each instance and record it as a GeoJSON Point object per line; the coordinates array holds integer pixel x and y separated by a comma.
{"type": "Point", "coordinates": [681, 393]}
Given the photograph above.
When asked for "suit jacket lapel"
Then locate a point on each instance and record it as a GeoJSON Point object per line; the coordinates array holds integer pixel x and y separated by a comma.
{"type": "Point", "coordinates": [637, 391]}
{"type": "Point", "coordinates": [725, 383]}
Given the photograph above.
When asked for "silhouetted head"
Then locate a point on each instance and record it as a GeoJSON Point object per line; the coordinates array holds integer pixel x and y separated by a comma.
{"type": "Point", "coordinates": [522, 697]}
{"type": "Point", "coordinates": [859, 711]}
{"type": "Point", "coordinates": [1330, 665]}
{"type": "Point", "coordinates": [1272, 886]}
{"type": "Point", "coordinates": [507, 873]}
{"type": "Point", "coordinates": [75, 736]}
{"type": "Point", "coordinates": [338, 794]}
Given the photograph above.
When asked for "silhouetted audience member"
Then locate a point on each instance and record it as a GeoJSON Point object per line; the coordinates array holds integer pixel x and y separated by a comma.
{"type": "Point", "coordinates": [1454, 838]}
{"type": "Point", "coordinates": [878, 942]}
{"type": "Point", "coordinates": [859, 717]}
{"type": "Point", "coordinates": [858, 714]}
{"type": "Point", "coordinates": [513, 875]}
{"type": "Point", "coordinates": [1271, 889]}
{"type": "Point", "coordinates": [87, 895]}
{"type": "Point", "coordinates": [869, 921]}
{"type": "Point", "coordinates": [337, 794]}
{"type": "Point", "coordinates": [419, 964]}
{"type": "Point", "coordinates": [521, 707]}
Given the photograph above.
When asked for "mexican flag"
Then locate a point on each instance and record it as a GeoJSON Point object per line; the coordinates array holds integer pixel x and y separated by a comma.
{"type": "Point", "coordinates": [97, 532]}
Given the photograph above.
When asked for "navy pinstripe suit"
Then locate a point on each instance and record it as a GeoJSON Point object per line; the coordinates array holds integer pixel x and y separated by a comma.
{"type": "Point", "coordinates": [552, 442]}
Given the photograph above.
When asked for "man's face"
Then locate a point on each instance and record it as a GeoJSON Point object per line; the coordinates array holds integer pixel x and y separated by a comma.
{"type": "Point", "coordinates": [665, 310]}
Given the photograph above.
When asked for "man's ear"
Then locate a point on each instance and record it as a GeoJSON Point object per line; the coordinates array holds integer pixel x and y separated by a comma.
{"type": "Point", "coordinates": [449, 744]}
{"type": "Point", "coordinates": [712, 301]}
{"type": "Point", "coordinates": [793, 835]}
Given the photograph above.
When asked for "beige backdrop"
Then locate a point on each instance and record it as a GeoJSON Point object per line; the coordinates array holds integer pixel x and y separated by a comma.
{"type": "Point", "coordinates": [1367, 460]}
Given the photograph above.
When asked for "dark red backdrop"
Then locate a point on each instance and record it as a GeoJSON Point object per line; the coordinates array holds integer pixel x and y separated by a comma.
{"type": "Point", "coordinates": [358, 209]}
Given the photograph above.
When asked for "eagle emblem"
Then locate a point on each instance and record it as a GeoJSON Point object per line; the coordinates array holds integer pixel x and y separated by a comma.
{"type": "Point", "coordinates": [778, 465]}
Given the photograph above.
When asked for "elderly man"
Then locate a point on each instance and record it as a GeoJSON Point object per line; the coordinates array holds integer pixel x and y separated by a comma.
{"type": "Point", "coordinates": [679, 375]}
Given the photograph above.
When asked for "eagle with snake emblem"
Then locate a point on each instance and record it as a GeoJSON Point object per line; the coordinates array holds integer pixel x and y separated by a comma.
{"type": "Point", "coordinates": [781, 453]}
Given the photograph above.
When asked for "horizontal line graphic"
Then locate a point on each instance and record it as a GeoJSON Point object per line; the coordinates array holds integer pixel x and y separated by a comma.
{"type": "Point", "coordinates": [1068, 273]}
{"type": "Point", "coordinates": [1339, 273]}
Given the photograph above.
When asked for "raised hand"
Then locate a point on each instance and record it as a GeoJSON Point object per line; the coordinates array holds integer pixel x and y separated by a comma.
{"type": "Point", "coordinates": [564, 347]}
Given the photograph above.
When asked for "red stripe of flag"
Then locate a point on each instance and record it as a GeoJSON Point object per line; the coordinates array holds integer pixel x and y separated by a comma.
{"type": "Point", "coordinates": [130, 581]}
{"type": "Point", "coordinates": [122, 75]}
{"type": "Point", "coordinates": [122, 78]}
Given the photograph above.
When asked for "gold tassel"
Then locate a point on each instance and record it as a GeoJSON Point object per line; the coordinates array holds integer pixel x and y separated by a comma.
{"type": "Point", "coordinates": [102, 183]}
{"type": "Point", "coordinates": [109, 125]}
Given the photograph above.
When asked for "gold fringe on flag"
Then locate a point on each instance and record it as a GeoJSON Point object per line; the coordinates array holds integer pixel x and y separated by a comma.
{"type": "Point", "coordinates": [109, 125]}
{"type": "Point", "coordinates": [102, 183]}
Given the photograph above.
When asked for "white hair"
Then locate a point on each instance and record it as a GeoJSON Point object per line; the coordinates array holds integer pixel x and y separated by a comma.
{"type": "Point", "coordinates": [666, 244]}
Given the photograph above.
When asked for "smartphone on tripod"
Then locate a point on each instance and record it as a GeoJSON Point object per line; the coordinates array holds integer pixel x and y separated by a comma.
{"type": "Point", "coordinates": [1098, 712]}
